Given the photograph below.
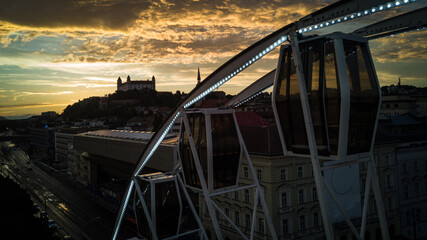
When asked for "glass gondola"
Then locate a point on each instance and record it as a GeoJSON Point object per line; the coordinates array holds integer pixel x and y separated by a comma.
{"type": "Point", "coordinates": [162, 203]}
{"type": "Point", "coordinates": [218, 149]}
{"type": "Point", "coordinates": [343, 96]}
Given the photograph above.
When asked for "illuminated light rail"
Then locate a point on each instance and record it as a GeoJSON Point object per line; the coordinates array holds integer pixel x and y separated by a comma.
{"type": "Point", "coordinates": [248, 99]}
{"type": "Point", "coordinates": [156, 139]}
{"type": "Point", "coordinates": [398, 33]}
{"type": "Point", "coordinates": [238, 70]}
{"type": "Point", "coordinates": [355, 15]}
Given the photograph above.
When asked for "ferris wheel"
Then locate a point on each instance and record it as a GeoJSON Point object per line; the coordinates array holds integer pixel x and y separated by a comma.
{"type": "Point", "coordinates": [326, 101]}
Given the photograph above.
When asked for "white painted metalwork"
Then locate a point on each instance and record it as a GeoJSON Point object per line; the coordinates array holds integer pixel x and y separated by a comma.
{"type": "Point", "coordinates": [150, 214]}
{"type": "Point", "coordinates": [311, 138]}
{"type": "Point", "coordinates": [338, 12]}
{"type": "Point", "coordinates": [207, 188]}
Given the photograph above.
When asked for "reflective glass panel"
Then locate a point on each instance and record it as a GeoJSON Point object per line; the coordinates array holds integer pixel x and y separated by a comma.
{"type": "Point", "coordinates": [332, 97]}
{"type": "Point", "coordinates": [364, 98]}
{"type": "Point", "coordinates": [281, 95]}
{"type": "Point", "coordinates": [312, 58]}
{"type": "Point", "coordinates": [166, 209]}
{"type": "Point", "coordinates": [225, 150]}
{"type": "Point", "coordinates": [198, 129]}
{"type": "Point", "coordinates": [288, 104]}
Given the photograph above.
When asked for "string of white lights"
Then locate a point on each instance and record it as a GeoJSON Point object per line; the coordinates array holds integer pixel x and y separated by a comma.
{"type": "Point", "coordinates": [355, 15]}
{"type": "Point", "coordinates": [238, 70]}
{"type": "Point", "coordinates": [398, 33]}
{"type": "Point", "coordinates": [248, 99]}
{"type": "Point", "coordinates": [241, 68]}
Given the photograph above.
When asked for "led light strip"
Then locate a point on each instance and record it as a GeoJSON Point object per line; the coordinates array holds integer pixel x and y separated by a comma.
{"type": "Point", "coordinates": [355, 15]}
{"type": "Point", "coordinates": [130, 189]}
{"type": "Point", "coordinates": [397, 33]}
{"type": "Point", "coordinates": [238, 70]}
{"type": "Point", "coordinates": [200, 96]}
{"type": "Point", "coordinates": [207, 91]}
{"type": "Point", "coordinates": [158, 142]}
{"type": "Point", "coordinates": [248, 99]}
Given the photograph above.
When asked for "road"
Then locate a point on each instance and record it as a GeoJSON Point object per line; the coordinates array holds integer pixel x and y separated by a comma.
{"type": "Point", "coordinates": [75, 214]}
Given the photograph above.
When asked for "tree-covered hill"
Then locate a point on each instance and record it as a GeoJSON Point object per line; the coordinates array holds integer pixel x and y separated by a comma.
{"type": "Point", "coordinates": [120, 104]}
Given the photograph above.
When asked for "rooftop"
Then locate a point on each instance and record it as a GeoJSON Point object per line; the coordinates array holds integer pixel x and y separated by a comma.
{"type": "Point", "coordinates": [124, 134]}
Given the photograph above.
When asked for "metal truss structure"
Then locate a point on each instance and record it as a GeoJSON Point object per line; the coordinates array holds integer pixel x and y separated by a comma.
{"type": "Point", "coordinates": [334, 14]}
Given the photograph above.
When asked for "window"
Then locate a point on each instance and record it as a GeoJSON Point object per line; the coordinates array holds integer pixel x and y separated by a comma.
{"type": "Point", "coordinates": [415, 166]}
{"type": "Point", "coordinates": [300, 171]}
{"type": "Point", "coordinates": [389, 181]}
{"type": "Point", "coordinates": [404, 169]}
{"type": "Point", "coordinates": [405, 192]}
{"type": "Point", "coordinates": [245, 172]}
{"type": "Point", "coordinates": [283, 174]}
{"type": "Point", "coordinates": [236, 195]}
{"type": "Point", "coordinates": [390, 203]}
{"type": "Point", "coordinates": [261, 225]}
{"type": "Point", "coordinates": [302, 222]}
{"type": "Point", "coordinates": [227, 213]}
{"type": "Point", "coordinates": [364, 97]}
{"type": "Point", "coordinates": [417, 189]}
{"type": "Point", "coordinates": [246, 195]}
{"type": "Point", "coordinates": [236, 218]}
{"type": "Point", "coordinates": [247, 221]}
{"type": "Point", "coordinates": [284, 199]}
{"type": "Point", "coordinates": [285, 226]}
{"type": "Point", "coordinates": [314, 193]}
{"type": "Point", "coordinates": [316, 219]}
{"type": "Point", "coordinates": [226, 194]}
{"type": "Point", "coordinates": [301, 196]}
{"type": "Point", "coordinates": [259, 174]}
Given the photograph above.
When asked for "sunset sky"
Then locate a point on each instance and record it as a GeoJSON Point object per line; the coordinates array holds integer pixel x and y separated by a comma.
{"type": "Point", "coordinates": [53, 53]}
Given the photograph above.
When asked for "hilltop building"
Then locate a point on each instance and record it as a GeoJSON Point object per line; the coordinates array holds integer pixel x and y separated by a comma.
{"type": "Point", "coordinates": [137, 84]}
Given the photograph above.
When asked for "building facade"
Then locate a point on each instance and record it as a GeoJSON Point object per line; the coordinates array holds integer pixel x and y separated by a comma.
{"type": "Point", "coordinates": [43, 141]}
{"type": "Point", "coordinates": [135, 85]}
{"type": "Point", "coordinates": [64, 153]}
{"type": "Point", "coordinates": [290, 192]}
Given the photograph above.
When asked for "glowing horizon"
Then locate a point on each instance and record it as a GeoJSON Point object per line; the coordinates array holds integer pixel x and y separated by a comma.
{"type": "Point", "coordinates": [72, 50]}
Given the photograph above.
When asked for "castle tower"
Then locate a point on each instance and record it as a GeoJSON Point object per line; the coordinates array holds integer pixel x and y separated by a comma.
{"type": "Point", "coordinates": [119, 83]}
{"type": "Point", "coordinates": [128, 79]}
{"type": "Point", "coordinates": [153, 81]}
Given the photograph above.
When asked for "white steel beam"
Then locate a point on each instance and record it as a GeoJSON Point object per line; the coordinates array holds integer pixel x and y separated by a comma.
{"type": "Point", "coordinates": [402, 23]}
{"type": "Point", "coordinates": [201, 176]}
{"type": "Point", "coordinates": [258, 86]}
{"type": "Point", "coordinates": [329, 233]}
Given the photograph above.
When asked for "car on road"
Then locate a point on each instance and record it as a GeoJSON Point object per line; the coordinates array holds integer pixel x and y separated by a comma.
{"type": "Point", "coordinates": [36, 207]}
{"type": "Point", "coordinates": [51, 223]}
{"type": "Point", "coordinates": [43, 215]}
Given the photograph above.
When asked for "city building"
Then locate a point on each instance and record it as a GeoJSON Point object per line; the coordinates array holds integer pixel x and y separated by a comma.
{"type": "Point", "coordinates": [106, 158]}
{"type": "Point", "coordinates": [64, 153]}
{"type": "Point", "coordinates": [49, 115]}
{"type": "Point", "coordinates": [43, 143]}
{"type": "Point", "coordinates": [393, 105]}
{"type": "Point", "coordinates": [65, 156]}
{"type": "Point", "coordinates": [136, 85]}
{"type": "Point", "coordinates": [401, 145]}
{"type": "Point", "coordinates": [291, 195]}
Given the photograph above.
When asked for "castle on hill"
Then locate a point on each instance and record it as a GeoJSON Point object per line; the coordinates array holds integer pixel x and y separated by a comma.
{"type": "Point", "coordinates": [137, 84]}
